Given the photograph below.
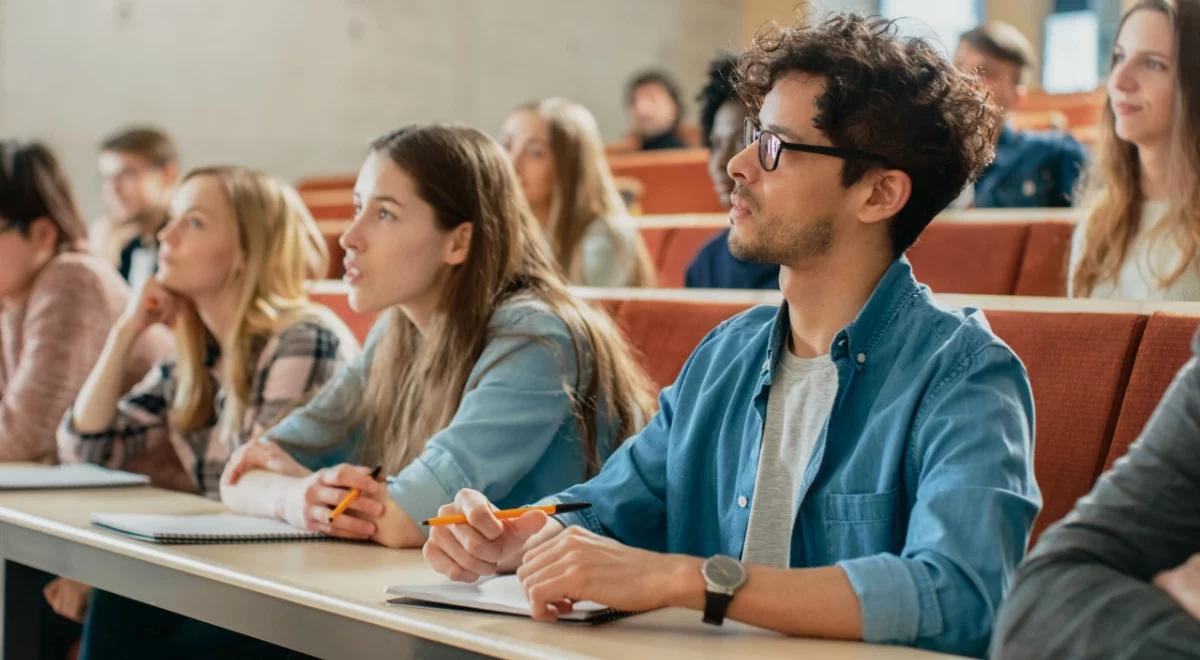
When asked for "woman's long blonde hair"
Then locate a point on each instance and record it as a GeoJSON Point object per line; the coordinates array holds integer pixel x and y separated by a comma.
{"type": "Point", "coordinates": [584, 189]}
{"type": "Point", "coordinates": [1113, 196]}
{"type": "Point", "coordinates": [279, 247]}
{"type": "Point", "coordinates": [416, 380]}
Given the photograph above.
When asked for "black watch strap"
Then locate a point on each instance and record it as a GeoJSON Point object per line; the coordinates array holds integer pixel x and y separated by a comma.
{"type": "Point", "coordinates": [715, 604]}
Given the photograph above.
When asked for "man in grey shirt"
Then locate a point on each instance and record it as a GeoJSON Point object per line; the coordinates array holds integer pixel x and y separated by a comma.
{"type": "Point", "coordinates": [1120, 576]}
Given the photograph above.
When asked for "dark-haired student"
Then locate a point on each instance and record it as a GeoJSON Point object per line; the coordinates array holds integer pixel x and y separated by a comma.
{"type": "Point", "coordinates": [866, 453]}
{"type": "Point", "coordinates": [139, 167]}
{"type": "Point", "coordinates": [655, 114]}
{"type": "Point", "coordinates": [484, 370]}
{"type": "Point", "coordinates": [56, 305]}
{"type": "Point", "coordinates": [722, 117]}
{"type": "Point", "coordinates": [1120, 576]}
{"type": "Point", "coordinates": [1032, 168]}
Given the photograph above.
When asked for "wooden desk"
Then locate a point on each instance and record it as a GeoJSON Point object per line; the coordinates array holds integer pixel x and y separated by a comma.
{"type": "Point", "coordinates": [326, 599]}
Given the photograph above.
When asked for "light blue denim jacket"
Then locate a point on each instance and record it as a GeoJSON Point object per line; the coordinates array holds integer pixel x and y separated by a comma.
{"type": "Point", "coordinates": [513, 437]}
{"type": "Point", "coordinates": [921, 487]}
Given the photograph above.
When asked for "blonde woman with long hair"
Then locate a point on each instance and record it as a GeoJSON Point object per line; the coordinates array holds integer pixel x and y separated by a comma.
{"type": "Point", "coordinates": [235, 256]}
{"type": "Point", "coordinates": [232, 265]}
{"type": "Point", "coordinates": [483, 372]}
{"type": "Point", "coordinates": [558, 155]}
{"type": "Point", "coordinates": [1141, 234]}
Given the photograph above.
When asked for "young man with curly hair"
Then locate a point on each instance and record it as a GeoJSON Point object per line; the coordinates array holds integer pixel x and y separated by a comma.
{"type": "Point", "coordinates": [865, 453]}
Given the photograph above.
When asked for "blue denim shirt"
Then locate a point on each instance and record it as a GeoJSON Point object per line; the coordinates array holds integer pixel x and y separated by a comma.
{"type": "Point", "coordinates": [513, 437]}
{"type": "Point", "coordinates": [1032, 168]}
{"type": "Point", "coordinates": [921, 487]}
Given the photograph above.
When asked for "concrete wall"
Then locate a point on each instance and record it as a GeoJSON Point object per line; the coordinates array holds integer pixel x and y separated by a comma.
{"type": "Point", "coordinates": [297, 87]}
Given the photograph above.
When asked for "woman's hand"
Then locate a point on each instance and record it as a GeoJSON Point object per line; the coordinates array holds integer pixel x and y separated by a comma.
{"type": "Point", "coordinates": [311, 501]}
{"type": "Point", "coordinates": [152, 303]}
{"type": "Point", "coordinates": [260, 455]}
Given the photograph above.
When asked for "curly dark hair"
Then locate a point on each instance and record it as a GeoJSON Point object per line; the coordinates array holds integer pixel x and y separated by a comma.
{"type": "Point", "coordinates": [893, 96]}
{"type": "Point", "coordinates": [716, 92]}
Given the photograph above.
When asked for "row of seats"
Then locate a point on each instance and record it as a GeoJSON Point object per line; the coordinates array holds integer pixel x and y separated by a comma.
{"type": "Point", "coordinates": [974, 252]}
{"type": "Point", "coordinates": [1098, 369]}
{"type": "Point", "coordinates": [1012, 252]}
{"type": "Point", "coordinates": [667, 181]}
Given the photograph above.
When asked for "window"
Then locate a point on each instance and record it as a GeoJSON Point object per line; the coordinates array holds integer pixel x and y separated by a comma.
{"type": "Point", "coordinates": [943, 20]}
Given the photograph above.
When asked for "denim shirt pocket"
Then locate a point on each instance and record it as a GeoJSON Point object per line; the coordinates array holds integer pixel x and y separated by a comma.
{"type": "Point", "coordinates": [862, 524]}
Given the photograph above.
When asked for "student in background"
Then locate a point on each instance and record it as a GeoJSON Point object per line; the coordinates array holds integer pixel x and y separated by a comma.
{"type": "Point", "coordinates": [655, 115]}
{"type": "Point", "coordinates": [555, 149]}
{"type": "Point", "coordinates": [1032, 168]}
{"type": "Point", "coordinates": [867, 454]}
{"type": "Point", "coordinates": [722, 119]}
{"type": "Point", "coordinates": [232, 266]}
{"type": "Point", "coordinates": [1141, 231]}
{"type": "Point", "coordinates": [1120, 575]}
{"type": "Point", "coordinates": [139, 168]}
{"type": "Point", "coordinates": [484, 371]}
{"type": "Point", "coordinates": [56, 305]}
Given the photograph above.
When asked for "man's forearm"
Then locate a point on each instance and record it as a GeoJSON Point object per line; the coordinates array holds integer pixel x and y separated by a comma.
{"type": "Point", "coordinates": [804, 602]}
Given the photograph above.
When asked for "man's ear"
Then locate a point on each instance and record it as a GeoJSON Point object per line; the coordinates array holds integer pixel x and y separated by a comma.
{"type": "Point", "coordinates": [459, 244]}
{"type": "Point", "coordinates": [890, 190]}
{"type": "Point", "coordinates": [43, 234]}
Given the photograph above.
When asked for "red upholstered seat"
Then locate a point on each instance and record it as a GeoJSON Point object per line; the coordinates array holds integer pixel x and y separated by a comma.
{"type": "Point", "coordinates": [664, 333]}
{"type": "Point", "coordinates": [969, 257]}
{"type": "Point", "coordinates": [675, 181]}
{"type": "Point", "coordinates": [1044, 264]}
{"type": "Point", "coordinates": [678, 250]}
{"type": "Point", "coordinates": [1078, 365]}
{"type": "Point", "coordinates": [1165, 347]}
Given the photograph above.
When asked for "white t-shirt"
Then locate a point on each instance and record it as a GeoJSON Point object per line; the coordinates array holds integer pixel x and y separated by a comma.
{"type": "Point", "coordinates": [798, 405]}
{"type": "Point", "coordinates": [1148, 258]}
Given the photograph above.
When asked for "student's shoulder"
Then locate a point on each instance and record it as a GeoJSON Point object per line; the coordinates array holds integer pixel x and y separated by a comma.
{"type": "Point", "coordinates": [528, 315]}
{"type": "Point", "coordinates": [79, 272]}
{"type": "Point", "coordinates": [1050, 143]}
{"type": "Point", "coordinates": [313, 337]}
{"type": "Point", "coordinates": [960, 334]}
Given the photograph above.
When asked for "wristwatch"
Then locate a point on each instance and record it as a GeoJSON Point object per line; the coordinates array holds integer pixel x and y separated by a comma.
{"type": "Point", "coordinates": [722, 577]}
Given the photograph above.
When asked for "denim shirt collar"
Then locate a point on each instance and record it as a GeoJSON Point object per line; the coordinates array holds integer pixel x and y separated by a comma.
{"type": "Point", "coordinates": [857, 340]}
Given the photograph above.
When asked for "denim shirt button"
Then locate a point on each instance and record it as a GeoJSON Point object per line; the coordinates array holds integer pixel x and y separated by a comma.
{"type": "Point", "coordinates": [766, 365]}
{"type": "Point", "coordinates": [742, 501]}
{"type": "Point", "coordinates": [861, 358]}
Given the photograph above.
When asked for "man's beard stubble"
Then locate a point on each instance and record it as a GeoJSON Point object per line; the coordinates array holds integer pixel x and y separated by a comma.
{"type": "Point", "coordinates": [781, 240]}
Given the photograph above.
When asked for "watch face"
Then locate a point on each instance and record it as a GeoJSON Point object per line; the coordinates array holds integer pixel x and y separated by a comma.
{"type": "Point", "coordinates": [724, 572]}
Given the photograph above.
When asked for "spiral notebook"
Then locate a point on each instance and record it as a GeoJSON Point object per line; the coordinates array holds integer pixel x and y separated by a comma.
{"type": "Point", "coordinates": [502, 595]}
{"type": "Point", "coordinates": [202, 529]}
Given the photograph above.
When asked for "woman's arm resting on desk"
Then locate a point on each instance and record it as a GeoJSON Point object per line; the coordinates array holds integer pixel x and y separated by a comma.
{"type": "Point", "coordinates": [307, 499]}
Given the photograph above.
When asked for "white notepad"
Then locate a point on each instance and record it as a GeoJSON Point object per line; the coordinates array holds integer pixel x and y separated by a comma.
{"type": "Point", "coordinates": [199, 529]}
{"type": "Point", "coordinates": [84, 475]}
{"type": "Point", "coordinates": [502, 594]}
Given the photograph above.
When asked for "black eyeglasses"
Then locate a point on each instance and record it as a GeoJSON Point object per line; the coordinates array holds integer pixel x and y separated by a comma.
{"type": "Point", "coordinates": [770, 145]}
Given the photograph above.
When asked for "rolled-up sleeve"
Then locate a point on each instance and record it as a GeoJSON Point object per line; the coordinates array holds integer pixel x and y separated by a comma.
{"type": "Point", "coordinates": [1087, 590]}
{"type": "Point", "coordinates": [976, 499]}
{"type": "Point", "coordinates": [517, 400]}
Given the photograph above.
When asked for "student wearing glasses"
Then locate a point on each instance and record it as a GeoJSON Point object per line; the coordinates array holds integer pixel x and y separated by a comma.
{"type": "Point", "coordinates": [856, 463]}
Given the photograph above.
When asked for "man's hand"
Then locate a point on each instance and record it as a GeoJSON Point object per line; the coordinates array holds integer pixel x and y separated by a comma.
{"type": "Point", "coordinates": [580, 565]}
{"type": "Point", "coordinates": [484, 545]}
{"type": "Point", "coordinates": [1182, 584]}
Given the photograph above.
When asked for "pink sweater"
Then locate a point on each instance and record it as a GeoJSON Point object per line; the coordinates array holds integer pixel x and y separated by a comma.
{"type": "Point", "coordinates": [49, 345]}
